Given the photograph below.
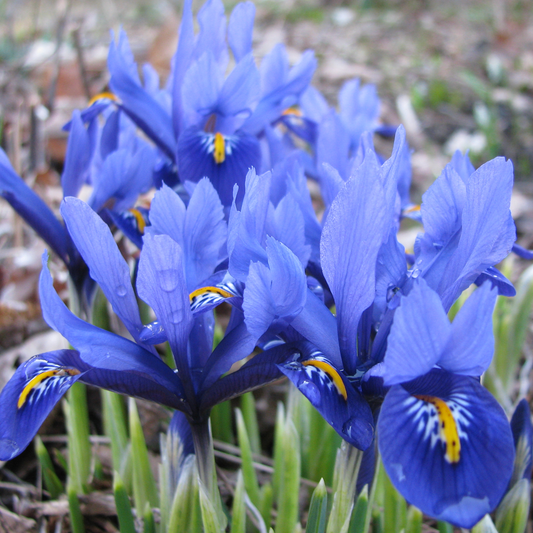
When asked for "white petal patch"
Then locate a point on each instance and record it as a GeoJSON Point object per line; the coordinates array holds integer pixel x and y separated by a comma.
{"type": "Point", "coordinates": [209, 297]}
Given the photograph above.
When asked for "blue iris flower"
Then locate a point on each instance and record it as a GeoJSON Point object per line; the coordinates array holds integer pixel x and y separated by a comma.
{"type": "Point", "coordinates": [468, 229]}
{"type": "Point", "coordinates": [118, 166]}
{"type": "Point", "coordinates": [132, 367]}
{"type": "Point", "coordinates": [209, 125]}
{"type": "Point", "coordinates": [445, 442]}
{"type": "Point", "coordinates": [359, 222]}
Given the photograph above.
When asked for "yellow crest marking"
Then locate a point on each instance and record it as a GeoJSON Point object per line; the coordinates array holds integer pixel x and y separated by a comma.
{"type": "Point", "coordinates": [141, 223]}
{"type": "Point", "coordinates": [37, 380]}
{"type": "Point", "coordinates": [215, 290]}
{"type": "Point", "coordinates": [293, 110]}
{"type": "Point", "coordinates": [219, 153]}
{"type": "Point", "coordinates": [413, 209]}
{"type": "Point", "coordinates": [101, 96]}
{"type": "Point", "coordinates": [447, 428]}
{"type": "Point", "coordinates": [331, 372]}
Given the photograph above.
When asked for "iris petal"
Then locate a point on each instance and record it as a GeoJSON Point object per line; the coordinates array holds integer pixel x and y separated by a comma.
{"type": "Point", "coordinates": [161, 284]}
{"type": "Point", "coordinates": [107, 266]}
{"type": "Point", "coordinates": [418, 335]}
{"type": "Point", "coordinates": [116, 363]}
{"type": "Point", "coordinates": [30, 395]}
{"type": "Point", "coordinates": [351, 239]}
{"type": "Point", "coordinates": [416, 449]}
{"type": "Point", "coordinates": [261, 369]}
{"type": "Point", "coordinates": [32, 209]}
{"type": "Point", "coordinates": [342, 406]}
{"type": "Point", "coordinates": [195, 157]}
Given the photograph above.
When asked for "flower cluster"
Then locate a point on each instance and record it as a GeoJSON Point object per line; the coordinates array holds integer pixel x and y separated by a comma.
{"type": "Point", "coordinates": [232, 221]}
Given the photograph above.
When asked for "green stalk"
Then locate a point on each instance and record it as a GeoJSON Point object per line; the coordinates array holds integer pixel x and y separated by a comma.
{"type": "Point", "coordinates": [248, 470]}
{"type": "Point", "coordinates": [513, 511]}
{"type": "Point", "coordinates": [238, 513]}
{"type": "Point", "coordinates": [289, 481]}
{"type": "Point", "coordinates": [395, 508]}
{"type": "Point", "coordinates": [266, 496]}
{"type": "Point", "coordinates": [185, 516]}
{"type": "Point", "coordinates": [144, 487]}
{"type": "Point", "coordinates": [221, 423]}
{"type": "Point", "coordinates": [444, 527]}
{"type": "Point", "coordinates": [116, 428]}
{"type": "Point", "coordinates": [51, 481]}
{"type": "Point", "coordinates": [324, 442]}
{"type": "Point", "coordinates": [249, 415]}
{"type": "Point", "coordinates": [414, 520]}
{"type": "Point", "coordinates": [79, 445]}
{"type": "Point", "coordinates": [359, 513]}
{"type": "Point", "coordinates": [278, 449]}
{"type": "Point", "coordinates": [210, 501]}
{"type": "Point", "coordinates": [318, 510]}
{"type": "Point", "coordinates": [344, 482]}
{"type": "Point", "coordinates": [122, 502]}
{"type": "Point", "coordinates": [148, 521]}
{"type": "Point", "coordinates": [485, 525]}
{"type": "Point", "coordinates": [76, 518]}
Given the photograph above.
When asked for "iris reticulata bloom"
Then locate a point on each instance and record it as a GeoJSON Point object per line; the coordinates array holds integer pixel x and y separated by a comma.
{"type": "Point", "coordinates": [444, 440]}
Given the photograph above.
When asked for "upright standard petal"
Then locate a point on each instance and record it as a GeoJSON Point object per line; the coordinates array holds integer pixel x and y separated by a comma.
{"type": "Point", "coordinates": [106, 265]}
{"type": "Point", "coordinates": [125, 174]}
{"type": "Point", "coordinates": [161, 284]}
{"type": "Point", "coordinates": [205, 234]}
{"type": "Point", "coordinates": [77, 158]}
{"type": "Point", "coordinates": [418, 336]}
{"type": "Point", "coordinates": [140, 106]}
{"type": "Point", "coordinates": [471, 343]}
{"type": "Point", "coordinates": [240, 29]}
{"type": "Point", "coordinates": [351, 239]}
{"type": "Point", "coordinates": [238, 96]}
{"type": "Point", "coordinates": [447, 446]}
{"type": "Point", "coordinates": [212, 36]}
{"type": "Point", "coordinates": [487, 234]}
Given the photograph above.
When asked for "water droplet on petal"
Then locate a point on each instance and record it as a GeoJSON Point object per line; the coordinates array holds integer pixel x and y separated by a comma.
{"type": "Point", "coordinates": [168, 279]}
{"type": "Point", "coordinates": [359, 432]}
{"type": "Point", "coordinates": [311, 392]}
{"type": "Point", "coordinates": [176, 317]}
{"type": "Point", "coordinates": [122, 291]}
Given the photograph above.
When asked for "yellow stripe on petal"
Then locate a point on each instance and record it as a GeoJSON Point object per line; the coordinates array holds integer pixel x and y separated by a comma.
{"type": "Point", "coordinates": [219, 152]}
{"type": "Point", "coordinates": [209, 290]}
{"type": "Point", "coordinates": [141, 223]}
{"type": "Point", "coordinates": [447, 428]}
{"type": "Point", "coordinates": [37, 380]}
{"type": "Point", "coordinates": [331, 372]}
{"type": "Point", "coordinates": [102, 96]}
{"type": "Point", "coordinates": [412, 209]}
{"type": "Point", "coordinates": [293, 110]}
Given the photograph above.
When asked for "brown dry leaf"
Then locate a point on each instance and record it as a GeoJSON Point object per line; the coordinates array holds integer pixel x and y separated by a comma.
{"type": "Point", "coordinates": [13, 523]}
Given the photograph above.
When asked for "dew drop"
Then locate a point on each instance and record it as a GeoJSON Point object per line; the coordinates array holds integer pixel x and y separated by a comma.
{"type": "Point", "coordinates": [122, 291]}
{"type": "Point", "coordinates": [176, 317]}
{"type": "Point", "coordinates": [168, 279]}
{"type": "Point", "coordinates": [359, 431]}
